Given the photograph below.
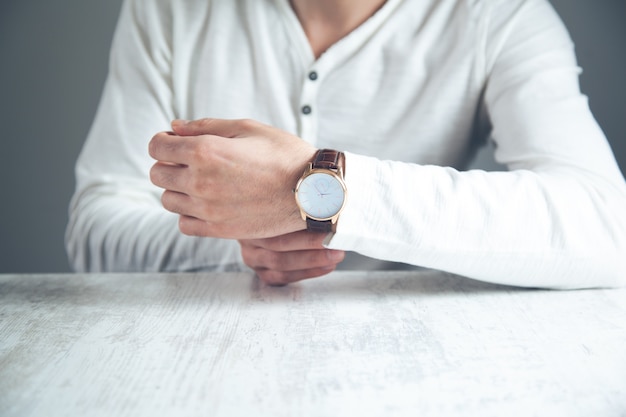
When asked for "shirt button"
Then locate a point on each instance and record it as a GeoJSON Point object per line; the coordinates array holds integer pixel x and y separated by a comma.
{"type": "Point", "coordinates": [306, 109]}
{"type": "Point", "coordinates": [312, 75]}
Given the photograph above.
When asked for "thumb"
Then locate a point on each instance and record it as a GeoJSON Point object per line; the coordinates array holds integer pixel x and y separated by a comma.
{"type": "Point", "coordinates": [208, 126]}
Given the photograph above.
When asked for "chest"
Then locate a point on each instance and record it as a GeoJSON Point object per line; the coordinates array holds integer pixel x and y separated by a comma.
{"type": "Point", "coordinates": [412, 94]}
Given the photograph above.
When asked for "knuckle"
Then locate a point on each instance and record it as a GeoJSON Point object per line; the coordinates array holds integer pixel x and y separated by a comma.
{"type": "Point", "coordinates": [201, 152]}
{"type": "Point", "coordinates": [154, 145]}
{"type": "Point", "coordinates": [247, 123]}
{"type": "Point", "coordinates": [161, 144]}
{"type": "Point", "coordinates": [198, 125]}
{"type": "Point", "coordinates": [206, 121]}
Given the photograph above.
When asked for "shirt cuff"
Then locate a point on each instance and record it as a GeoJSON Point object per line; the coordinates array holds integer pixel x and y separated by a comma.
{"type": "Point", "coordinates": [359, 217]}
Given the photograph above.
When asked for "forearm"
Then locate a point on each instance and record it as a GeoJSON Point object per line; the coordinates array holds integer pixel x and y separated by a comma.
{"type": "Point", "coordinates": [560, 228]}
{"type": "Point", "coordinates": [112, 231]}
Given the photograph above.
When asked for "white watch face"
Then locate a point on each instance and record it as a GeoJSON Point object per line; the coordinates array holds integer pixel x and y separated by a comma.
{"type": "Point", "coordinates": [321, 195]}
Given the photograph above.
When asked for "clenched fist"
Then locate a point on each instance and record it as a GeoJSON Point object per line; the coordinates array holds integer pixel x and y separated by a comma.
{"type": "Point", "coordinates": [230, 178]}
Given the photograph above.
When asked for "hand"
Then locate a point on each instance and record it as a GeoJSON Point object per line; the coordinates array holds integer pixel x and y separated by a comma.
{"type": "Point", "coordinates": [230, 178]}
{"type": "Point", "coordinates": [288, 258]}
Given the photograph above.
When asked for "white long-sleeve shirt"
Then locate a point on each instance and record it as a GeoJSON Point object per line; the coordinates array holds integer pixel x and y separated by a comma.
{"type": "Point", "coordinates": [409, 96]}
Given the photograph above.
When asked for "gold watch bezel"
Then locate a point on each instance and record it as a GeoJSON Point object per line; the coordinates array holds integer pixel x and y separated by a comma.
{"type": "Point", "coordinates": [338, 175]}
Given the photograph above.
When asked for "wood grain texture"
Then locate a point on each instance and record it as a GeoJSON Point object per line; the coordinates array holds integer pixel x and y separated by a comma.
{"type": "Point", "coordinates": [359, 344]}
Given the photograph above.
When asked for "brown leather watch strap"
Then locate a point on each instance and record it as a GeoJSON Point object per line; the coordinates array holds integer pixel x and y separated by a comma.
{"type": "Point", "coordinates": [318, 226]}
{"type": "Point", "coordinates": [325, 159]}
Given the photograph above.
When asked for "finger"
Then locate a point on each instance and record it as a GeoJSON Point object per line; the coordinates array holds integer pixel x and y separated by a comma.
{"type": "Point", "coordinates": [227, 128]}
{"type": "Point", "coordinates": [261, 258]}
{"type": "Point", "coordinates": [300, 240]}
{"type": "Point", "coordinates": [195, 218]}
{"type": "Point", "coordinates": [279, 278]}
{"type": "Point", "coordinates": [169, 176]}
{"type": "Point", "coordinates": [169, 147]}
{"type": "Point", "coordinates": [179, 203]}
{"type": "Point", "coordinates": [192, 226]}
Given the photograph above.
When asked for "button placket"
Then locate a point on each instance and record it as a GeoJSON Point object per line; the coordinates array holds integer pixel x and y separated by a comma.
{"type": "Point", "coordinates": [308, 114]}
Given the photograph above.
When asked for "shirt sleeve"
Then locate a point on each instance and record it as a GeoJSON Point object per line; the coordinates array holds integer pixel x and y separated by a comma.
{"type": "Point", "coordinates": [556, 219]}
{"type": "Point", "coordinates": [116, 221]}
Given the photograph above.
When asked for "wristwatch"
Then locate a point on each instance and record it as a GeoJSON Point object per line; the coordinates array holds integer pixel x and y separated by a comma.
{"type": "Point", "coordinates": [321, 191]}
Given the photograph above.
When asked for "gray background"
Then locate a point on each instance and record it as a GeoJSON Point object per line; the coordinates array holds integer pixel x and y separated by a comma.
{"type": "Point", "coordinates": [54, 61]}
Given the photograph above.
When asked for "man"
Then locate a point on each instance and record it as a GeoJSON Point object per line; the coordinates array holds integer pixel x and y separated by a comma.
{"type": "Point", "coordinates": [399, 93]}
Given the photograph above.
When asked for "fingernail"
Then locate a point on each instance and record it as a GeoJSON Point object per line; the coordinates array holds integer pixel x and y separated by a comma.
{"type": "Point", "coordinates": [335, 255]}
{"type": "Point", "coordinates": [180, 122]}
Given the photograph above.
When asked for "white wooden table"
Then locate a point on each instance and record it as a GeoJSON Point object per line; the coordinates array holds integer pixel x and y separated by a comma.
{"type": "Point", "coordinates": [350, 344]}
